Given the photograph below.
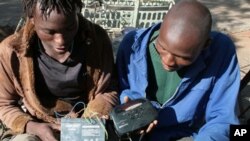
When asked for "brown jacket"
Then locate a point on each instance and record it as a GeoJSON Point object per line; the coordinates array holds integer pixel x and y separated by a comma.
{"type": "Point", "coordinates": [17, 77]}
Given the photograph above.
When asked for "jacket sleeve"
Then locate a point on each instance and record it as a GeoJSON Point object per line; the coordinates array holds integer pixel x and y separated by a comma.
{"type": "Point", "coordinates": [222, 103]}
{"type": "Point", "coordinates": [123, 63]}
{"type": "Point", "coordinates": [10, 111]}
{"type": "Point", "coordinates": [106, 88]}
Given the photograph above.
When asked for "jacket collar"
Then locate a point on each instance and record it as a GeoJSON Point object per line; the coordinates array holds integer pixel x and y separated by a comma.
{"type": "Point", "coordinates": [23, 39]}
{"type": "Point", "coordinates": [142, 38]}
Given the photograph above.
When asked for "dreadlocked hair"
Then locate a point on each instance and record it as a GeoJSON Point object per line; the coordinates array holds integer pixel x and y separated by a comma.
{"type": "Point", "coordinates": [46, 6]}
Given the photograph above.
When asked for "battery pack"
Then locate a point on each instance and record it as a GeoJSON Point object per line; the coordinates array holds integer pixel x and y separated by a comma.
{"type": "Point", "coordinates": [79, 129]}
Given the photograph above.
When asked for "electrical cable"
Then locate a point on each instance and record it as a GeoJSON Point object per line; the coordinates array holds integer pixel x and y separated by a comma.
{"type": "Point", "coordinates": [141, 136]}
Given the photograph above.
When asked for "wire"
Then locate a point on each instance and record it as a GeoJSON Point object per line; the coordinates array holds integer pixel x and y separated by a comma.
{"type": "Point", "coordinates": [141, 136]}
{"type": "Point", "coordinates": [58, 115]}
{"type": "Point", "coordinates": [95, 115]}
{"type": "Point", "coordinates": [126, 138]}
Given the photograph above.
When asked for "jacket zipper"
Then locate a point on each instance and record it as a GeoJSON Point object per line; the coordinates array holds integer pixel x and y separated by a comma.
{"type": "Point", "coordinates": [170, 97]}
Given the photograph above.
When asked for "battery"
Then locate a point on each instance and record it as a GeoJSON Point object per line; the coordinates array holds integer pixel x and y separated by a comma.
{"type": "Point", "coordinates": [79, 129]}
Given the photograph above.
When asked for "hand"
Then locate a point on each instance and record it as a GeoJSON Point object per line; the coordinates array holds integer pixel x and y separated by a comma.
{"type": "Point", "coordinates": [45, 131]}
{"type": "Point", "coordinates": [99, 106]}
{"type": "Point", "coordinates": [150, 127]}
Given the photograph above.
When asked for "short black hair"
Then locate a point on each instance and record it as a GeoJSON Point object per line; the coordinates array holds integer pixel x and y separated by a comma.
{"type": "Point", "coordinates": [194, 13]}
{"type": "Point", "coordinates": [46, 6]}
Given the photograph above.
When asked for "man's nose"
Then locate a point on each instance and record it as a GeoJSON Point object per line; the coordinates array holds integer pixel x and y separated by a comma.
{"type": "Point", "coordinates": [59, 39]}
{"type": "Point", "coordinates": [169, 59]}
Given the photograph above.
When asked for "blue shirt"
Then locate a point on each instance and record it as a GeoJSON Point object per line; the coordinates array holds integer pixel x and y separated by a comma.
{"type": "Point", "coordinates": [204, 104]}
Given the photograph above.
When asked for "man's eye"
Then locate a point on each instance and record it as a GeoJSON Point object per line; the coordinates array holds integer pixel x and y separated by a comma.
{"type": "Point", "coordinates": [49, 32]}
{"type": "Point", "coordinates": [186, 59]}
{"type": "Point", "coordinates": [162, 48]}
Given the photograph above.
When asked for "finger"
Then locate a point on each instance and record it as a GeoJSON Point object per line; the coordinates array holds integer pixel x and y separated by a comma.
{"type": "Point", "coordinates": [58, 122]}
{"type": "Point", "coordinates": [50, 138]}
{"type": "Point", "coordinates": [105, 117]}
{"type": "Point", "coordinates": [56, 127]}
{"type": "Point", "coordinates": [142, 132]}
{"type": "Point", "coordinates": [126, 99]}
{"type": "Point", "coordinates": [151, 126]}
{"type": "Point", "coordinates": [155, 122]}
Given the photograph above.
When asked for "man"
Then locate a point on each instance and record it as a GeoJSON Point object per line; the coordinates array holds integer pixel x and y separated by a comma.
{"type": "Point", "coordinates": [190, 74]}
{"type": "Point", "coordinates": [56, 61]}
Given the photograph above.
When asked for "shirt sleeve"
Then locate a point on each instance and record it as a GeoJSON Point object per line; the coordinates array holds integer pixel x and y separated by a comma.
{"type": "Point", "coordinates": [106, 87]}
{"type": "Point", "coordinates": [123, 59]}
{"type": "Point", "coordinates": [11, 113]}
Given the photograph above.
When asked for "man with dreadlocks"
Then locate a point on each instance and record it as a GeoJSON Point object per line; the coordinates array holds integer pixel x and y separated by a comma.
{"type": "Point", "coordinates": [56, 61]}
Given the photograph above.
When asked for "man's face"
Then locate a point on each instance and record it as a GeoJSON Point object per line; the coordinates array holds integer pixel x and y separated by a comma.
{"type": "Point", "coordinates": [177, 50]}
{"type": "Point", "coordinates": [57, 31]}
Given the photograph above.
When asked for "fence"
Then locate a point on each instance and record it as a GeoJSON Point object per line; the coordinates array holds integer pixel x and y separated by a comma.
{"type": "Point", "coordinates": [117, 14]}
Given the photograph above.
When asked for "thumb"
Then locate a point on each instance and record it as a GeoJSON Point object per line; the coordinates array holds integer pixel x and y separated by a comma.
{"type": "Point", "coordinates": [55, 126]}
{"type": "Point", "coordinates": [126, 99]}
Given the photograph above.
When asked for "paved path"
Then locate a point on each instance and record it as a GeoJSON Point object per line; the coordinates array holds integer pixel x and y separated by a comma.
{"type": "Point", "coordinates": [229, 15]}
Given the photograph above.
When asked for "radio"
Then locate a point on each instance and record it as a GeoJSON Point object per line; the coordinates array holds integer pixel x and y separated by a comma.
{"type": "Point", "coordinates": [133, 115]}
